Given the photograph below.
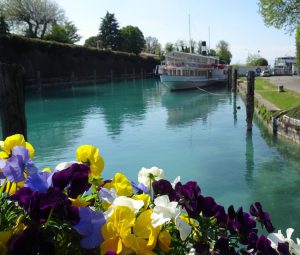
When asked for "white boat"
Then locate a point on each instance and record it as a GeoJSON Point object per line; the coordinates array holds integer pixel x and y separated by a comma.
{"type": "Point", "coordinates": [181, 70]}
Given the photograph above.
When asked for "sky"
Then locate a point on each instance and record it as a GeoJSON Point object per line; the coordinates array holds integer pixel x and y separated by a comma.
{"type": "Point", "coordinates": [238, 22]}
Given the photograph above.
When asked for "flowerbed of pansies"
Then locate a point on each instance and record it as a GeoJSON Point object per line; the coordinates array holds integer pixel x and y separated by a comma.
{"type": "Point", "coordinates": [72, 210]}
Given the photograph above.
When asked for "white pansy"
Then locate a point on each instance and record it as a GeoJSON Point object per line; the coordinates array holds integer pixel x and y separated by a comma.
{"type": "Point", "coordinates": [164, 211]}
{"type": "Point", "coordinates": [144, 175]}
{"type": "Point", "coordinates": [134, 205]}
{"type": "Point", "coordinates": [183, 228]}
{"type": "Point", "coordinates": [278, 237]}
{"type": "Point", "coordinates": [65, 165]}
{"type": "Point", "coordinates": [177, 179]}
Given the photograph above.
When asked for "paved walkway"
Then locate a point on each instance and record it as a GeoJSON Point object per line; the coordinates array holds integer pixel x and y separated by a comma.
{"type": "Point", "coordinates": [289, 82]}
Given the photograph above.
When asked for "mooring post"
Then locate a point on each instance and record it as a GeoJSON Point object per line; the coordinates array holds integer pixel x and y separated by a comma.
{"type": "Point", "coordinates": [12, 100]}
{"type": "Point", "coordinates": [230, 76]}
{"type": "Point", "coordinates": [234, 81]}
{"type": "Point", "coordinates": [250, 99]}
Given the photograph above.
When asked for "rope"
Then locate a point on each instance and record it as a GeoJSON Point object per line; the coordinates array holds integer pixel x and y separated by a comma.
{"type": "Point", "coordinates": [215, 94]}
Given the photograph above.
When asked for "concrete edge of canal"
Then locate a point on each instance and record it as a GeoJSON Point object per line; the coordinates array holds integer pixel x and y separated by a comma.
{"type": "Point", "coordinates": [273, 117]}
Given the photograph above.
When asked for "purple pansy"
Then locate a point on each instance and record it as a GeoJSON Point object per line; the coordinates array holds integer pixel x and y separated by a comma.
{"type": "Point", "coordinates": [283, 248]}
{"type": "Point", "coordinates": [222, 245]}
{"type": "Point", "coordinates": [14, 167]}
{"type": "Point", "coordinates": [262, 216]}
{"type": "Point", "coordinates": [188, 196]}
{"type": "Point", "coordinates": [32, 241]}
{"type": "Point", "coordinates": [210, 208]}
{"type": "Point", "coordinates": [74, 178]}
{"type": "Point", "coordinates": [89, 227]}
{"type": "Point", "coordinates": [242, 223]}
{"type": "Point", "coordinates": [39, 205]}
{"type": "Point", "coordinates": [164, 187]}
{"type": "Point", "coordinates": [263, 245]}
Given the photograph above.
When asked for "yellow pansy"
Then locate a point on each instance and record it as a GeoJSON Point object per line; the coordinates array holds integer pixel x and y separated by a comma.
{"type": "Point", "coordinates": [144, 197]}
{"type": "Point", "coordinates": [12, 187]}
{"type": "Point", "coordinates": [121, 185]}
{"type": "Point", "coordinates": [164, 240]}
{"type": "Point", "coordinates": [117, 229]}
{"type": "Point", "coordinates": [47, 169]}
{"type": "Point", "coordinates": [89, 155]}
{"type": "Point", "coordinates": [79, 202]}
{"type": "Point", "coordinates": [144, 236]}
{"type": "Point", "coordinates": [14, 140]}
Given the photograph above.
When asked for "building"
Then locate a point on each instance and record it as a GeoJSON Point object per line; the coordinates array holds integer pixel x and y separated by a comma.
{"type": "Point", "coordinates": [285, 66]}
{"type": "Point", "coordinates": [243, 69]}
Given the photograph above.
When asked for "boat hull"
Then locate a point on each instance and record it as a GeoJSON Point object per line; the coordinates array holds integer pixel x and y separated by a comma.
{"type": "Point", "coordinates": [186, 82]}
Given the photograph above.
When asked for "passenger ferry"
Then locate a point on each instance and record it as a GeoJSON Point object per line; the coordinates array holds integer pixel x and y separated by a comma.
{"type": "Point", "coordinates": [182, 70]}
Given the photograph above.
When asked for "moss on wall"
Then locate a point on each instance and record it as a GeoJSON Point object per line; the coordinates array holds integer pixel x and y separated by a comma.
{"type": "Point", "coordinates": [53, 59]}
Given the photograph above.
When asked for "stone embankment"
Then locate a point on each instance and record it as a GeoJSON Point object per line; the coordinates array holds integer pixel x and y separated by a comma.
{"type": "Point", "coordinates": [277, 120]}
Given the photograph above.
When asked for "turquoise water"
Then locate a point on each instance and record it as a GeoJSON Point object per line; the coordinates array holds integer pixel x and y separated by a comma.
{"type": "Point", "coordinates": [199, 136]}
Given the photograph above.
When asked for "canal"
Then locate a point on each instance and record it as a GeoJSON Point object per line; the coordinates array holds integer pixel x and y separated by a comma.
{"type": "Point", "coordinates": [196, 135]}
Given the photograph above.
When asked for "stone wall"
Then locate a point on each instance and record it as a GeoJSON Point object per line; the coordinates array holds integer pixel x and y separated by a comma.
{"type": "Point", "coordinates": [282, 125]}
{"type": "Point", "coordinates": [289, 128]}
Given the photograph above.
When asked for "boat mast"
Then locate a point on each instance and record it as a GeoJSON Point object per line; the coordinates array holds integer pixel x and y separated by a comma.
{"type": "Point", "coordinates": [190, 33]}
{"type": "Point", "coordinates": [208, 39]}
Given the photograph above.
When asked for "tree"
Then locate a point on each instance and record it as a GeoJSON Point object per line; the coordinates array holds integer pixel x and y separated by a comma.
{"type": "Point", "coordinates": [132, 39]}
{"type": "Point", "coordinates": [280, 14]}
{"type": "Point", "coordinates": [298, 47]}
{"type": "Point", "coordinates": [66, 33]}
{"type": "Point", "coordinates": [109, 32]}
{"type": "Point", "coordinates": [91, 42]}
{"type": "Point", "coordinates": [256, 60]}
{"type": "Point", "coordinates": [152, 45]}
{"type": "Point", "coordinates": [34, 17]}
{"type": "Point", "coordinates": [212, 52]}
{"type": "Point", "coordinates": [169, 47]}
{"type": "Point", "coordinates": [223, 52]}
{"type": "Point", "coordinates": [4, 29]}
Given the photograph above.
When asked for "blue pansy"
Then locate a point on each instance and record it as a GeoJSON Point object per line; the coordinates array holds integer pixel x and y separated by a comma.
{"type": "Point", "coordinates": [14, 167]}
{"type": "Point", "coordinates": [39, 181]}
{"type": "Point", "coordinates": [89, 227]}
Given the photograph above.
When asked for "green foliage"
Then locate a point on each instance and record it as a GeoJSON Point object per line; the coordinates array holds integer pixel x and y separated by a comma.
{"type": "Point", "coordinates": [91, 42]}
{"type": "Point", "coordinates": [280, 14]}
{"type": "Point", "coordinates": [294, 112]}
{"type": "Point", "coordinates": [169, 47]}
{"type": "Point", "coordinates": [152, 45]}
{"type": "Point", "coordinates": [223, 52]}
{"type": "Point", "coordinates": [132, 39]}
{"type": "Point", "coordinates": [4, 29]}
{"type": "Point", "coordinates": [109, 32]}
{"type": "Point", "coordinates": [212, 52]}
{"type": "Point", "coordinates": [66, 33]}
{"type": "Point", "coordinates": [298, 47]}
{"type": "Point", "coordinates": [256, 60]}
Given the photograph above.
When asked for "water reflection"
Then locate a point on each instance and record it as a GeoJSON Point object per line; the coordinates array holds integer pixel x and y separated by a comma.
{"type": "Point", "coordinates": [249, 158]}
{"type": "Point", "coordinates": [189, 106]}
